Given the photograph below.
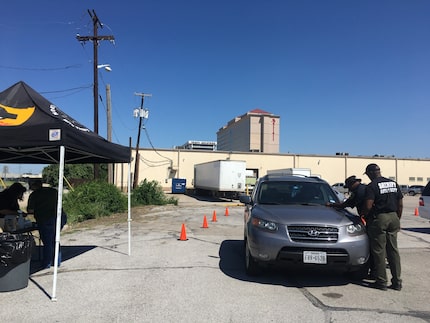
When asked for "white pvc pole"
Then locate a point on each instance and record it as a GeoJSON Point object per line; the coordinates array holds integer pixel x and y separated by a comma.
{"type": "Point", "coordinates": [129, 208]}
{"type": "Point", "coordinates": [58, 223]}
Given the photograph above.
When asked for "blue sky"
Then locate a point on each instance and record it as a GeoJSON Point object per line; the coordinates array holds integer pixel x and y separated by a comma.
{"type": "Point", "coordinates": [345, 76]}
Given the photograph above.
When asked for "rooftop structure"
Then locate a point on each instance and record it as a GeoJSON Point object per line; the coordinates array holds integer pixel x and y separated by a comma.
{"type": "Point", "coordinates": [198, 145]}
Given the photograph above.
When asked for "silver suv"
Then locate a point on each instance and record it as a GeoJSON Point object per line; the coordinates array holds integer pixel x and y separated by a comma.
{"type": "Point", "coordinates": [340, 187]}
{"type": "Point", "coordinates": [287, 222]}
{"type": "Point", "coordinates": [415, 189]}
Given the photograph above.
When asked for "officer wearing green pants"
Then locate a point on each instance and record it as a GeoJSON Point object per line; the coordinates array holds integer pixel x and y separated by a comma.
{"type": "Point", "coordinates": [384, 204]}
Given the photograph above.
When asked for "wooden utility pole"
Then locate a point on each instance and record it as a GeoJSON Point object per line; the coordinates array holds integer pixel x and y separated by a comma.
{"type": "Point", "coordinates": [109, 129]}
{"type": "Point", "coordinates": [95, 38]}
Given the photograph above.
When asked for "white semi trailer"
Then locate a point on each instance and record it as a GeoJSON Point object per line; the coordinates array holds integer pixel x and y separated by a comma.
{"type": "Point", "coordinates": [220, 178]}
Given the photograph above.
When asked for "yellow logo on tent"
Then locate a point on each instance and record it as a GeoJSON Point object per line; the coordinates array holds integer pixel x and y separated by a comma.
{"type": "Point", "coordinates": [14, 116]}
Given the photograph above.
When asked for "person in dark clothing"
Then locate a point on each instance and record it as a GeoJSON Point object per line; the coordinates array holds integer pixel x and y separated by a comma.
{"type": "Point", "coordinates": [384, 206]}
{"type": "Point", "coordinates": [9, 199]}
{"type": "Point", "coordinates": [356, 198]}
{"type": "Point", "coordinates": [42, 202]}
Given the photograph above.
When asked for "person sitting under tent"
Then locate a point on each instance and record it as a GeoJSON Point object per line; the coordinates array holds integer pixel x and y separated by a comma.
{"type": "Point", "coordinates": [42, 202]}
{"type": "Point", "coordinates": [9, 199]}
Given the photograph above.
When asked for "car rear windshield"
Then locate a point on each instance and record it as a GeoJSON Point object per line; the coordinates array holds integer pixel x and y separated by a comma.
{"type": "Point", "coordinates": [293, 192]}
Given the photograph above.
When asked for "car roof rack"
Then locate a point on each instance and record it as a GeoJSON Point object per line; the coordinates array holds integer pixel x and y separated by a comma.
{"type": "Point", "coordinates": [283, 176]}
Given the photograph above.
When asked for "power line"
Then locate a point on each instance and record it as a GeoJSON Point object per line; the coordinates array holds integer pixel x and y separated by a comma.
{"type": "Point", "coordinates": [68, 90]}
{"type": "Point", "coordinates": [40, 69]}
{"type": "Point", "coordinates": [75, 91]}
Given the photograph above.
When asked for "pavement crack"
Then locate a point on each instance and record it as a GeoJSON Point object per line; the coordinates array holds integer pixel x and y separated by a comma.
{"type": "Point", "coordinates": [415, 237]}
{"type": "Point", "coordinates": [425, 315]}
{"type": "Point", "coordinates": [65, 271]}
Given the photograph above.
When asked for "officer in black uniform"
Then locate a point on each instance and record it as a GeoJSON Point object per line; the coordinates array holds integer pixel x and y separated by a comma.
{"type": "Point", "coordinates": [384, 204]}
{"type": "Point", "coordinates": [356, 197]}
{"type": "Point", "coordinates": [357, 194]}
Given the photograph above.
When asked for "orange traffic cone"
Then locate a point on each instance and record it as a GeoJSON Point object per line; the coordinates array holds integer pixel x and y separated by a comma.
{"type": "Point", "coordinates": [226, 211]}
{"type": "Point", "coordinates": [205, 223]}
{"type": "Point", "coordinates": [183, 236]}
{"type": "Point", "coordinates": [214, 217]}
{"type": "Point", "coordinates": [416, 212]}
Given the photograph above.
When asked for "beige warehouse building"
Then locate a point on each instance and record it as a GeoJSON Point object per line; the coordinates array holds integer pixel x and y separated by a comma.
{"type": "Point", "coordinates": [162, 165]}
{"type": "Point", "coordinates": [254, 138]}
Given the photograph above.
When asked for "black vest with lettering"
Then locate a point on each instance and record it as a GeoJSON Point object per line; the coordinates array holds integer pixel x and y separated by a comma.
{"type": "Point", "coordinates": [385, 193]}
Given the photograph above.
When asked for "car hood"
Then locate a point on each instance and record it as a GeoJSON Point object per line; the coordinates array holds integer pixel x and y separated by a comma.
{"type": "Point", "coordinates": [304, 214]}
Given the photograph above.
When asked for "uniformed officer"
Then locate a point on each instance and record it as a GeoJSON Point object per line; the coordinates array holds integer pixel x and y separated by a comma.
{"type": "Point", "coordinates": [357, 193]}
{"type": "Point", "coordinates": [384, 204]}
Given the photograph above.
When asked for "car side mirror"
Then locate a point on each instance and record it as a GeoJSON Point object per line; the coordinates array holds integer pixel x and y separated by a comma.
{"type": "Point", "coordinates": [245, 199]}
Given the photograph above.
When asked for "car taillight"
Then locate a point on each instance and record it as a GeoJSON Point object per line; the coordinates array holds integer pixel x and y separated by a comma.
{"type": "Point", "coordinates": [421, 201]}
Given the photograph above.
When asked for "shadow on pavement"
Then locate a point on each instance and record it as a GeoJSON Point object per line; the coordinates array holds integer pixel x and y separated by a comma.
{"type": "Point", "coordinates": [209, 198]}
{"type": "Point", "coordinates": [67, 252]}
{"type": "Point", "coordinates": [231, 263]}
{"type": "Point", "coordinates": [419, 230]}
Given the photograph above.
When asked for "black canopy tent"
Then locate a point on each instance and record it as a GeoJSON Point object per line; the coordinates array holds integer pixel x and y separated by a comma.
{"type": "Point", "coordinates": [35, 131]}
{"type": "Point", "coordinates": [32, 129]}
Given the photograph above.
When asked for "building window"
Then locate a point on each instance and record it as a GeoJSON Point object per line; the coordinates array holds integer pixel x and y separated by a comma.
{"type": "Point", "coordinates": [411, 179]}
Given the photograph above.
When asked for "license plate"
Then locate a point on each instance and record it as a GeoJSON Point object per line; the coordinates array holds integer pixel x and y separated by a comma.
{"type": "Point", "coordinates": [314, 257]}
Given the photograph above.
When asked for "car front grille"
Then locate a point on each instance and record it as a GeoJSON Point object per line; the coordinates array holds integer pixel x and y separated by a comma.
{"type": "Point", "coordinates": [313, 234]}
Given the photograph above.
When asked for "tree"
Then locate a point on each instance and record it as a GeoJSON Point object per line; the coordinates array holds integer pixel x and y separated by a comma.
{"type": "Point", "coordinates": [74, 173]}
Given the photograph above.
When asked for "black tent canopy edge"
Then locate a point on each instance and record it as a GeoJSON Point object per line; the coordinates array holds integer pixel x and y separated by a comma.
{"type": "Point", "coordinates": [50, 155]}
{"type": "Point", "coordinates": [26, 140]}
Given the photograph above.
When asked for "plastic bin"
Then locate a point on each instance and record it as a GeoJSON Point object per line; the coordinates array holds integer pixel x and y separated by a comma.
{"type": "Point", "coordinates": [179, 185]}
{"type": "Point", "coordinates": [15, 257]}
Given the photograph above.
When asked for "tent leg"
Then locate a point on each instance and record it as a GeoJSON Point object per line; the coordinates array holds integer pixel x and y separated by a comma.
{"type": "Point", "coordinates": [58, 223]}
{"type": "Point", "coordinates": [129, 208]}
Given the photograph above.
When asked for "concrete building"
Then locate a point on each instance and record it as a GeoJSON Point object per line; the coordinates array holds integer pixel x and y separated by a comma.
{"type": "Point", "coordinates": [255, 131]}
{"type": "Point", "coordinates": [165, 164]}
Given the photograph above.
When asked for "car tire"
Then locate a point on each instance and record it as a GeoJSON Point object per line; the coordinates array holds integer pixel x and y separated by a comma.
{"type": "Point", "coordinates": [252, 268]}
{"type": "Point", "coordinates": [411, 193]}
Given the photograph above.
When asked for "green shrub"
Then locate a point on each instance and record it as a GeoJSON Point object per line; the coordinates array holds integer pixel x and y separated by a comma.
{"type": "Point", "coordinates": [73, 172]}
{"type": "Point", "coordinates": [150, 193]}
{"type": "Point", "coordinates": [92, 200]}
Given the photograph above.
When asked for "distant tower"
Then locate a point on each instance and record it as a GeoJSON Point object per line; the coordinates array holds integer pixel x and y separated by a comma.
{"type": "Point", "coordinates": [255, 131]}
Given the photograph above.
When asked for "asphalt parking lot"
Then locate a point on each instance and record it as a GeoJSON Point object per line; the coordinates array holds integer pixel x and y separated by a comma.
{"type": "Point", "coordinates": [202, 279]}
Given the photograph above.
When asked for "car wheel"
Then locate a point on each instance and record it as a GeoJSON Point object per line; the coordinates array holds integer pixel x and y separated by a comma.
{"type": "Point", "coordinates": [412, 193]}
{"type": "Point", "coordinates": [252, 267]}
